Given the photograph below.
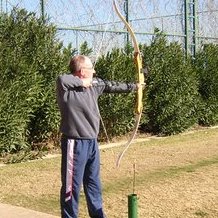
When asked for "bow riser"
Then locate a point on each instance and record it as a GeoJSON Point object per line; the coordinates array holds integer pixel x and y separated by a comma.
{"type": "Point", "coordinates": [138, 62]}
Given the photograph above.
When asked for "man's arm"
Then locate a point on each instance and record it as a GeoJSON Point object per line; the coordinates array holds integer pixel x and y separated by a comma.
{"type": "Point", "coordinates": [114, 87]}
{"type": "Point", "coordinates": [67, 81]}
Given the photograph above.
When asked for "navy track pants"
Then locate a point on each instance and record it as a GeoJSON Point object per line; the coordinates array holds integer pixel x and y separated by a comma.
{"type": "Point", "coordinates": [80, 164]}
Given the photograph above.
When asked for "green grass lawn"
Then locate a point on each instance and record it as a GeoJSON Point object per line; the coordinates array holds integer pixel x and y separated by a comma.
{"type": "Point", "coordinates": [159, 162]}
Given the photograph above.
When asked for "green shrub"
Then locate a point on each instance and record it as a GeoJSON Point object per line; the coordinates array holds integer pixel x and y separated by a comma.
{"type": "Point", "coordinates": [172, 98]}
{"type": "Point", "coordinates": [117, 110]}
{"type": "Point", "coordinates": [207, 68]}
{"type": "Point", "coordinates": [31, 57]}
{"type": "Point", "coordinates": [30, 60]}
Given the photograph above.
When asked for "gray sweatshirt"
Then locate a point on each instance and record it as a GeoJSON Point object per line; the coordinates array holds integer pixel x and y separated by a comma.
{"type": "Point", "coordinates": [78, 106]}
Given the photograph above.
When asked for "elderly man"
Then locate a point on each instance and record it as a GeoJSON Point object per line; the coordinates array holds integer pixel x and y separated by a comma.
{"type": "Point", "coordinates": [77, 96]}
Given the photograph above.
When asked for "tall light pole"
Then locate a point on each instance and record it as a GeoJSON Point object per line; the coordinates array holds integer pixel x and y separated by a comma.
{"type": "Point", "coordinates": [191, 30]}
{"type": "Point", "coordinates": [126, 10]}
{"type": "Point", "coordinates": [42, 4]}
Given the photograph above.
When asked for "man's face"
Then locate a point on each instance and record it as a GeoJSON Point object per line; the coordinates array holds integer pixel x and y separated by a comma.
{"type": "Point", "coordinates": [87, 69]}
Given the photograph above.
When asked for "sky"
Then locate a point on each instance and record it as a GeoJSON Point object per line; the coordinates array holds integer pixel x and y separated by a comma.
{"type": "Point", "coordinates": [80, 13]}
{"type": "Point", "coordinates": [144, 15]}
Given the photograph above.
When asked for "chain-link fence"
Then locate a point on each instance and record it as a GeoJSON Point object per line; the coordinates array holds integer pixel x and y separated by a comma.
{"type": "Point", "coordinates": [96, 22]}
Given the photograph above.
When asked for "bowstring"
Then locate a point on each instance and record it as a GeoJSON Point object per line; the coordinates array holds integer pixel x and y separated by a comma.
{"type": "Point", "coordinates": [95, 61]}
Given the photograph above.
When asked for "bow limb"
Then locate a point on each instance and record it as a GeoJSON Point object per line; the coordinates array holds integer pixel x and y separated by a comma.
{"type": "Point", "coordinates": [140, 80]}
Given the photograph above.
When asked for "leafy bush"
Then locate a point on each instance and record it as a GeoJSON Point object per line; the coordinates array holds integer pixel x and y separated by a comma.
{"type": "Point", "coordinates": [117, 110]}
{"type": "Point", "coordinates": [172, 98]}
{"type": "Point", "coordinates": [207, 68]}
{"type": "Point", "coordinates": [30, 59]}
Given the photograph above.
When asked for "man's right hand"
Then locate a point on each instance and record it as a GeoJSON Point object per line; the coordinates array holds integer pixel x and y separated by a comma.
{"type": "Point", "coordinates": [87, 82]}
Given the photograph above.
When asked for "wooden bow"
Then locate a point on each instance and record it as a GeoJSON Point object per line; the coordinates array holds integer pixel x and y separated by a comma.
{"type": "Point", "coordinates": [140, 81]}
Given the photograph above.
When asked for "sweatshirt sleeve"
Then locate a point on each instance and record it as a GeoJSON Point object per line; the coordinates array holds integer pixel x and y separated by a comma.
{"type": "Point", "coordinates": [68, 81]}
{"type": "Point", "coordinates": [114, 87]}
